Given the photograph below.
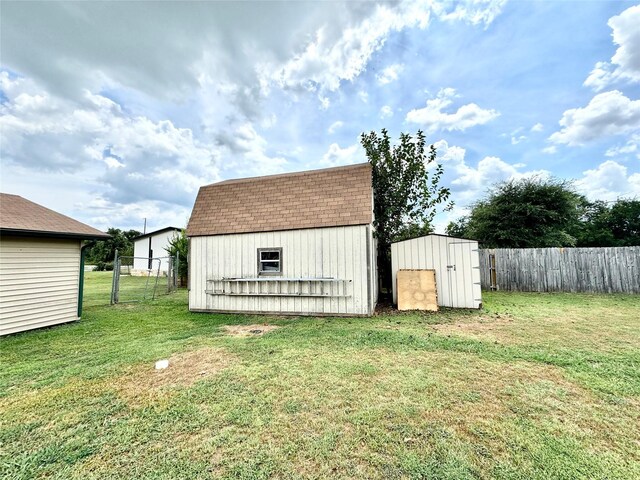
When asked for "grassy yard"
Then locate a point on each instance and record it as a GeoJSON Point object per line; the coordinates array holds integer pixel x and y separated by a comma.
{"type": "Point", "coordinates": [98, 288]}
{"type": "Point", "coordinates": [534, 386]}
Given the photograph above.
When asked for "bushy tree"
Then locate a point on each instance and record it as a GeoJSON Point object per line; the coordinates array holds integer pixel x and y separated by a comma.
{"type": "Point", "coordinates": [532, 212]}
{"type": "Point", "coordinates": [406, 184]}
{"type": "Point", "coordinates": [610, 225]}
{"type": "Point", "coordinates": [179, 248]}
{"type": "Point", "coordinates": [458, 228]}
{"type": "Point", "coordinates": [624, 220]}
{"type": "Point", "coordinates": [594, 229]}
{"type": "Point", "coordinates": [104, 250]}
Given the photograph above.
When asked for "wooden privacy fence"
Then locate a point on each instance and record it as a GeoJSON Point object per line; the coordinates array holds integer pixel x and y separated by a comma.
{"type": "Point", "coordinates": [593, 270]}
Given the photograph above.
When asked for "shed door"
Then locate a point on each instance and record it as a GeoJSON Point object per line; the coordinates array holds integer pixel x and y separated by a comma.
{"type": "Point", "coordinates": [460, 273]}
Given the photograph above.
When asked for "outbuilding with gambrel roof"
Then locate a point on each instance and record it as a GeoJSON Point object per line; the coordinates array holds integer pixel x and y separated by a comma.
{"type": "Point", "coordinates": [298, 244]}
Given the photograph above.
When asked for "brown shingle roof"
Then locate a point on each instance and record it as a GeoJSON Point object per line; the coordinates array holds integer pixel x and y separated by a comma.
{"type": "Point", "coordinates": [21, 216]}
{"type": "Point", "coordinates": [318, 198]}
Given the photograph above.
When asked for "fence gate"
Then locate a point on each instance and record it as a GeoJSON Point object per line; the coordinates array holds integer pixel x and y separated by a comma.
{"type": "Point", "coordinates": [131, 283]}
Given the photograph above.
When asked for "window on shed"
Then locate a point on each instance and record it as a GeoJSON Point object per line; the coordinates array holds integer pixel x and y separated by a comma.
{"type": "Point", "coordinates": [269, 261]}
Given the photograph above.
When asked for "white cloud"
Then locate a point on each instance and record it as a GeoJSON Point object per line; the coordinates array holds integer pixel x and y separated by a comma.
{"type": "Point", "coordinates": [325, 103]}
{"type": "Point", "coordinates": [625, 63]}
{"type": "Point", "coordinates": [136, 151]}
{"type": "Point", "coordinates": [631, 147]}
{"type": "Point", "coordinates": [336, 156]}
{"type": "Point", "coordinates": [335, 126]}
{"type": "Point", "coordinates": [342, 54]}
{"type": "Point", "coordinates": [133, 159]}
{"type": "Point", "coordinates": [609, 181]}
{"type": "Point", "coordinates": [449, 153]}
{"type": "Point", "coordinates": [103, 214]}
{"type": "Point", "coordinates": [80, 108]}
{"type": "Point", "coordinates": [600, 77]}
{"type": "Point", "coordinates": [517, 140]}
{"type": "Point", "coordinates": [246, 152]}
{"type": "Point", "coordinates": [538, 127]}
{"type": "Point", "coordinates": [608, 113]}
{"type": "Point", "coordinates": [433, 118]}
{"type": "Point", "coordinates": [550, 150]}
{"type": "Point", "coordinates": [386, 111]}
{"type": "Point", "coordinates": [474, 12]}
{"type": "Point", "coordinates": [492, 170]}
{"type": "Point", "coordinates": [390, 74]}
{"type": "Point", "coordinates": [467, 182]}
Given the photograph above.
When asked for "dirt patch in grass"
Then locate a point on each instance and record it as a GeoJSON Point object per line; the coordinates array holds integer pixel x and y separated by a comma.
{"type": "Point", "coordinates": [185, 369]}
{"type": "Point", "coordinates": [248, 330]}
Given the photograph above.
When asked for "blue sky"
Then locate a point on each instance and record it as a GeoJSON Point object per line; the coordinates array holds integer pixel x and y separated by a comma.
{"type": "Point", "coordinates": [115, 112]}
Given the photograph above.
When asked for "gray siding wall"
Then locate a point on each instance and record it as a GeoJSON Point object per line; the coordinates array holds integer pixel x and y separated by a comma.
{"type": "Point", "coordinates": [590, 270]}
{"type": "Point", "coordinates": [38, 283]}
{"type": "Point", "coordinates": [342, 253]}
{"type": "Point", "coordinates": [455, 261]}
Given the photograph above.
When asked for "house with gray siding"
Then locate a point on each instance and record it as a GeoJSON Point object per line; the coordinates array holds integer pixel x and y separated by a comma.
{"type": "Point", "coordinates": [292, 244]}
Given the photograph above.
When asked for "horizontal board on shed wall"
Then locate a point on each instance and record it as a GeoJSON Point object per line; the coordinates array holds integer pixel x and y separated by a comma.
{"type": "Point", "coordinates": [339, 252]}
{"type": "Point", "coordinates": [38, 282]}
{"type": "Point", "coordinates": [589, 270]}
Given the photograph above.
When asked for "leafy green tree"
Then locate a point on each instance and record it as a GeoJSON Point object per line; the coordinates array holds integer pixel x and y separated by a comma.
{"type": "Point", "coordinates": [104, 251]}
{"type": "Point", "coordinates": [458, 228]}
{"type": "Point", "coordinates": [617, 225]}
{"type": "Point", "coordinates": [524, 213]}
{"type": "Point", "coordinates": [179, 248]}
{"type": "Point", "coordinates": [406, 185]}
{"type": "Point", "coordinates": [624, 221]}
{"type": "Point", "coordinates": [594, 229]}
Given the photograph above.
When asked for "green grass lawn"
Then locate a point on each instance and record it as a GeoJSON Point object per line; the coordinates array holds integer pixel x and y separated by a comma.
{"type": "Point", "coordinates": [97, 289]}
{"type": "Point", "coordinates": [534, 386]}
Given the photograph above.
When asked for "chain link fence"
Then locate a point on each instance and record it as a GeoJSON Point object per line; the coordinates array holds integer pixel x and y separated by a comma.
{"type": "Point", "coordinates": [141, 278]}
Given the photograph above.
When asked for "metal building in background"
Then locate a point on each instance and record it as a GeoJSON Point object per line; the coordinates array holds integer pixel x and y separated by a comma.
{"type": "Point", "coordinates": [455, 260]}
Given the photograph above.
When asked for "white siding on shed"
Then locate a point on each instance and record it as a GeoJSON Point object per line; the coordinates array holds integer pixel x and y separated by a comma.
{"type": "Point", "coordinates": [38, 282]}
{"type": "Point", "coordinates": [455, 260]}
{"type": "Point", "coordinates": [343, 253]}
{"type": "Point", "coordinates": [159, 242]}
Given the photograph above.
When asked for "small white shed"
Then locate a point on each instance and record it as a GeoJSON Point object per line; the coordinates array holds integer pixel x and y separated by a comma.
{"type": "Point", "coordinates": [296, 244]}
{"type": "Point", "coordinates": [455, 260]}
{"type": "Point", "coordinates": [152, 245]}
{"type": "Point", "coordinates": [41, 254]}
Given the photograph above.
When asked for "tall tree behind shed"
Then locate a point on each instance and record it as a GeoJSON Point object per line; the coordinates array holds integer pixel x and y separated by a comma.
{"type": "Point", "coordinates": [526, 213]}
{"type": "Point", "coordinates": [103, 252]}
{"type": "Point", "coordinates": [179, 248]}
{"type": "Point", "coordinates": [407, 191]}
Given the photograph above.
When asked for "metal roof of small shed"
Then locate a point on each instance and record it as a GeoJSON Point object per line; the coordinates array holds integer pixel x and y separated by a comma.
{"type": "Point", "coordinates": [329, 197]}
{"type": "Point", "coordinates": [434, 235]}
{"type": "Point", "coordinates": [19, 216]}
{"type": "Point", "coordinates": [157, 232]}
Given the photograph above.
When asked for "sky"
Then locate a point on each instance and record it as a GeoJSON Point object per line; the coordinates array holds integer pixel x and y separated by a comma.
{"type": "Point", "coordinates": [116, 112]}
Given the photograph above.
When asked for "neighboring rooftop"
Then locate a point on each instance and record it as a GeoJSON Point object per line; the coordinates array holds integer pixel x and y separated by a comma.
{"type": "Point", "coordinates": [20, 216]}
{"type": "Point", "coordinates": [157, 232]}
{"type": "Point", "coordinates": [330, 197]}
